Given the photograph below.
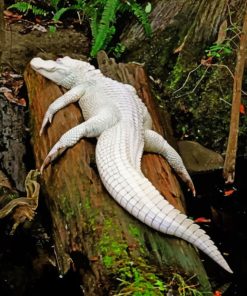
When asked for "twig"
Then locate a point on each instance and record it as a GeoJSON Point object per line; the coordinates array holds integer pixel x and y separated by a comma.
{"type": "Point", "coordinates": [229, 70]}
{"type": "Point", "coordinates": [223, 66]}
{"type": "Point", "coordinates": [225, 101]}
{"type": "Point", "coordinates": [230, 19]}
{"type": "Point", "coordinates": [197, 84]}
{"type": "Point", "coordinates": [187, 78]}
{"type": "Point", "coordinates": [208, 65]}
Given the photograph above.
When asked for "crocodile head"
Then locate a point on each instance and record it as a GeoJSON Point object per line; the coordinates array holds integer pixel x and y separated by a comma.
{"type": "Point", "coordinates": [63, 71]}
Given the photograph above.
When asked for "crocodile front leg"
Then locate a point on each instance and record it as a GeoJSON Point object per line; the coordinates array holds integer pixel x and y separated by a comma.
{"type": "Point", "coordinates": [93, 127]}
{"type": "Point", "coordinates": [69, 97]}
{"type": "Point", "coordinates": [157, 144]}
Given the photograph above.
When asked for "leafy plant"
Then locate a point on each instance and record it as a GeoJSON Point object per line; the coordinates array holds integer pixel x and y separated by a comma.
{"type": "Point", "coordinates": [219, 50]}
{"type": "Point", "coordinates": [104, 30]}
{"type": "Point", "coordinates": [118, 50]}
{"type": "Point", "coordinates": [102, 16]}
{"type": "Point", "coordinates": [25, 7]}
{"type": "Point", "coordinates": [79, 6]}
{"type": "Point", "coordinates": [141, 14]}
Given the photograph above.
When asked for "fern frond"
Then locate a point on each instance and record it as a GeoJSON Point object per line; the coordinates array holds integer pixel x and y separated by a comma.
{"type": "Point", "coordinates": [20, 6]}
{"type": "Point", "coordinates": [105, 27]}
{"type": "Point", "coordinates": [54, 3]}
{"type": "Point", "coordinates": [24, 7]}
{"type": "Point", "coordinates": [111, 32]}
{"type": "Point", "coordinates": [38, 11]}
{"type": "Point", "coordinates": [94, 24]}
{"type": "Point", "coordinates": [141, 15]}
{"type": "Point", "coordinates": [60, 12]}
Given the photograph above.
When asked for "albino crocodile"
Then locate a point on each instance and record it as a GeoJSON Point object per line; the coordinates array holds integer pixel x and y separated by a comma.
{"type": "Point", "coordinates": [118, 118]}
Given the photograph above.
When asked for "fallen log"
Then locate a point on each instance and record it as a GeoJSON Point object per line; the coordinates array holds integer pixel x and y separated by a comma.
{"type": "Point", "coordinates": [113, 252]}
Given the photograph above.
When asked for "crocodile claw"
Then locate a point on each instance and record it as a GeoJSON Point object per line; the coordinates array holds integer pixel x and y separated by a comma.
{"type": "Point", "coordinates": [47, 118]}
{"type": "Point", "coordinates": [45, 163]}
{"type": "Point", "coordinates": [191, 188]}
{"type": "Point", "coordinates": [53, 154]}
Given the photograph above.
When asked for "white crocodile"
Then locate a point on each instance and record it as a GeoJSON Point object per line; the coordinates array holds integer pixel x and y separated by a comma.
{"type": "Point", "coordinates": [118, 118]}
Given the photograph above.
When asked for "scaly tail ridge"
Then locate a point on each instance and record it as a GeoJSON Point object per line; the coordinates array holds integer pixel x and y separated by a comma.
{"type": "Point", "coordinates": [138, 196]}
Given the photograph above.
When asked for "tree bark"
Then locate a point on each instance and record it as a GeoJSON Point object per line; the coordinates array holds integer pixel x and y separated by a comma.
{"type": "Point", "coordinates": [2, 29]}
{"type": "Point", "coordinates": [196, 98]}
{"type": "Point", "coordinates": [231, 152]}
{"type": "Point", "coordinates": [192, 24]}
{"type": "Point", "coordinates": [93, 234]}
{"type": "Point", "coordinates": [12, 139]}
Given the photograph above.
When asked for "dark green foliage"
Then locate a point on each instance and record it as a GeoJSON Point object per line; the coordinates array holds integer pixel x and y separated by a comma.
{"type": "Point", "coordinates": [141, 15]}
{"type": "Point", "coordinates": [105, 28]}
{"type": "Point", "coordinates": [78, 6]}
{"type": "Point", "coordinates": [102, 16]}
{"type": "Point", "coordinates": [26, 7]}
{"type": "Point", "coordinates": [219, 50]}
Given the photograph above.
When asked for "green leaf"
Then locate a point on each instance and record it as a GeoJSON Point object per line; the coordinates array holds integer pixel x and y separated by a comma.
{"type": "Point", "coordinates": [52, 29]}
{"type": "Point", "coordinates": [148, 7]}
{"type": "Point", "coordinates": [106, 28]}
{"type": "Point", "coordinates": [54, 3]}
{"type": "Point", "coordinates": [60, 12]}
{"type": "Point", "coordinates": [227, 50]}
{"type": "Point", "coordinates": [25, 7]}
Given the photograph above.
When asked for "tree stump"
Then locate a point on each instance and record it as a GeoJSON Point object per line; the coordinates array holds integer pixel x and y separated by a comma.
{"type": "Point", "coordinates": [113, 252]}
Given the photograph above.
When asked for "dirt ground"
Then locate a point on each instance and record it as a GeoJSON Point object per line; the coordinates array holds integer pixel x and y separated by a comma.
{"type": "Point", "coordinates": [20, 48]}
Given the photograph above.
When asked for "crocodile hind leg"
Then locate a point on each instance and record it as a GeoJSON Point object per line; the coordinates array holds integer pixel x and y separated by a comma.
{"type": "Point", "coordinates": [157, 144]}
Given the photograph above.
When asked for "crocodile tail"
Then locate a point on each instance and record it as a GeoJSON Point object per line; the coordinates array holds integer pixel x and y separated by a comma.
{"type": "Point", "coordinates": [138, 196]}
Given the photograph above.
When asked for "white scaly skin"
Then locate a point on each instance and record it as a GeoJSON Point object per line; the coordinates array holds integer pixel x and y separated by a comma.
{"type": "Point", "coordinates": [117, 117]}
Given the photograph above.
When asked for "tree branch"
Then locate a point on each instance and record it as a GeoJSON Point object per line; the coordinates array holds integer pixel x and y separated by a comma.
{"type": "Point", "coordinates": [231, 152]}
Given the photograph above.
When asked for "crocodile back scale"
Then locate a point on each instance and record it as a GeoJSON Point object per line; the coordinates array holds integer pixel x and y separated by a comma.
{"type": "Point", "coordinates": [117, 117]}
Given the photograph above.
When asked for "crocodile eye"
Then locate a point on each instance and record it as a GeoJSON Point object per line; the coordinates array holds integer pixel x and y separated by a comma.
{"type": "Point", "coordinates": [59, 61]}
{"type": "Point", "coordinates": [52, 69]}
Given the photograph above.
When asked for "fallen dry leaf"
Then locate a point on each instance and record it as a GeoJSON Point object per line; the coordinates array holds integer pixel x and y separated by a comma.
{"type": "Point", "coordinates": [202, 220]}
{"type": "Point", "coordinates": [11, 15]}
{"type": "Point", "coordinates": [22, 102]}
{"type": "Point", "coordinates": [207, 62]}
{"type": "Point", "coordinates": [5, 89]}
{"type": "Point", "coordinates": [242, 109]}
{"type": "Point", "coordinates": [9, 96]}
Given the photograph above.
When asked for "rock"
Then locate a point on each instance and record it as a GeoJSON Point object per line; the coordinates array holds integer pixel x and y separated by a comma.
{"type": "Point", "coordinates": [199, 159]}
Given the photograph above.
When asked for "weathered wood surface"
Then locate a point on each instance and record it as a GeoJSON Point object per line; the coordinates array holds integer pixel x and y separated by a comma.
{"type": "Point", "coordinates": [91, 232]}
{"type": "Point", "coordinates": [2, 29]}
{"type": "Point", "coordinates": [12, 139]}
